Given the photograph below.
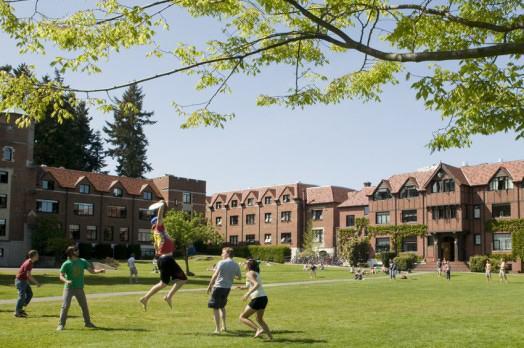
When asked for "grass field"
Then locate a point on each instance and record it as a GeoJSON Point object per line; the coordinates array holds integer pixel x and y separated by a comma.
{"type": "Point", "coordinates": [422, 311]}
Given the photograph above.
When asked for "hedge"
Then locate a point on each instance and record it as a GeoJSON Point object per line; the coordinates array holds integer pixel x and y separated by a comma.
{"type": "Point", "coordinates": [406, 262]}
{"type": "Point", "coordinates": [86, 250]}
{"type": "Point", "coordinates": [477, 263]}
{"type": "Point", "coordinates": [277, 253]}
{"type": "Point", "coordinates": [134, 249]}
{"type": "Point", "coordinates": [102, 251]}
{"type": "Point", "coordinates": [120, 252]}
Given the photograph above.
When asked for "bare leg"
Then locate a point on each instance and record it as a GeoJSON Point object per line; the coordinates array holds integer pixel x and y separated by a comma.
{"type": "Point", "coordinates": [156, 288]}
{"type": "Point", "coordinates": [244, 317]}
{"type": "Point", "coordinates": [178, 284]}
{"type": "Point", "coordinates": [260, 320]}
{"type": "Point", "coordinates": [223, 316]}
{"type": "Point", "coordinates": [216, 315]}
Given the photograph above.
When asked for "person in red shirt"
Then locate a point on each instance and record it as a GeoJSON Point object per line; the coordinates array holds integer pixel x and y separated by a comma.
{"type": "Point", "coordinates": [167, 265]}
{"type": "Point", "coordinates": [22, 284]}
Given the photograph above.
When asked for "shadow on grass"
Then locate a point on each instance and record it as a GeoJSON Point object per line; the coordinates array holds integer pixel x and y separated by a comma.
{"type": "Point", "coordinates": [57, 316]}
{"type": "Point", "coordinates": [120, 329]}
{"type": "Point", "coordinates": [249, 334]}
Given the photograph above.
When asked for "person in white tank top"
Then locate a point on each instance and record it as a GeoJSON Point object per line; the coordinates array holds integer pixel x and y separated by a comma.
{"type": "Point", "coordinates": [258, 300]}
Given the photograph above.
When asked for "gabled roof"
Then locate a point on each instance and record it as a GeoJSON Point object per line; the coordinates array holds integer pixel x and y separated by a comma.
{"type": "Point", "coordinates": [68, 178]}
{"type": "Point", "coordinates": [265, 192]}
{"type": "Point", "coordinates": [358, 198]}
{"type": "Point", "coordinates": [246, 195]}
{"type": "Point", "coordinates": [481, 174]}
{"type": "Point", "coordinates": [327, 194]}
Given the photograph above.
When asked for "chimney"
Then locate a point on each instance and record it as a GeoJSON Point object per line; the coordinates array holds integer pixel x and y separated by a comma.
{"type": "Point", "coordinates": [367, 184]}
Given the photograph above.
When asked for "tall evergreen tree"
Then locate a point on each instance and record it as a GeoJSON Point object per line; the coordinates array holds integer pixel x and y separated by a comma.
{"type": "Point", "coordinates": [126, 134]}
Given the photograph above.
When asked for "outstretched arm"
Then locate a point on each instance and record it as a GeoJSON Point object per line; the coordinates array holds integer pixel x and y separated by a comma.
{"type": "Point", "coordinates": [92, 270]}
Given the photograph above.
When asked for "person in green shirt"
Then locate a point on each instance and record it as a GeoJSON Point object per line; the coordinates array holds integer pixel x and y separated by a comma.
{"type": "Point", "coordinates": [72, 274]}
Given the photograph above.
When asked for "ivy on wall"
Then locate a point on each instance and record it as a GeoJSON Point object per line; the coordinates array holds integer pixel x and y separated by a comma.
{"type": "Point", "coordinates": [513, 226]}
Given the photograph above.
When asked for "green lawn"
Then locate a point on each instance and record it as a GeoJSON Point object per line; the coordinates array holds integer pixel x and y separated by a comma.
{"type": "Point", "coordinates": [423, 311]}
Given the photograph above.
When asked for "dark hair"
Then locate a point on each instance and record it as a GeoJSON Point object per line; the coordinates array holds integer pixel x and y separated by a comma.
{"type": "Point", "coordinates": [252, 265]}
{"type": "Point", "coordinates": [32, 253]}
{"type": "Point", "coordinates": [70, 250]}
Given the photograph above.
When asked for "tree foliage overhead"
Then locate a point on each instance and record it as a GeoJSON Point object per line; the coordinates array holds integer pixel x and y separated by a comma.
{"type": "Point", "coordinates": [479, 92]}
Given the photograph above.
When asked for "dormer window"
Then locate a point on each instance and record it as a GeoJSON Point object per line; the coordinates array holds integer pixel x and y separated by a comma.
{"type": "Point", "coordinates": [117, 192]}
{"type": "Point", "coordinates": [234, 203]}
{"type": "Point", "coordinates": [408, 192]}
{"type": "Point", "coordinates": [84, 188]}
{"type": "Point", "coordinates": [250, 202]}
{"type": "Point", "coordinates": [285, 199]}
{"type": "Point", "coordinates": [48, 185]}
{"type": "Point", "coordinates": [218, 205]}
{"type": "Point", "coordinates": [8, 154]}
{"type": "Point", "coordinates": [501, 183]}
{"type": "Point", "coordinates": [148, 195]}
{"type": "Point", "coordinates": [267, 200]}
{"type": "Point", "coordinates": [382, 194]}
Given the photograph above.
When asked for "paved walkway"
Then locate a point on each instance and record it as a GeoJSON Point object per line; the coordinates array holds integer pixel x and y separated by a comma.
{"type": "Point", "coordinates": [113, 294]}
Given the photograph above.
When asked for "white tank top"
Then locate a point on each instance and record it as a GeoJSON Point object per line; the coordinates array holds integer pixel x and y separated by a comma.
{"type": "Point", "coordinates": [259, 292]}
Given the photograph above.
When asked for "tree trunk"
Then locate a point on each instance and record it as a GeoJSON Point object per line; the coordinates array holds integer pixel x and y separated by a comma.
{"type": "Point", "coordinates": [186, 258]}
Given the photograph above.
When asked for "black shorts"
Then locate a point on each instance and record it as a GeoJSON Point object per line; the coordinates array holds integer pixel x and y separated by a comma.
{"type": "Point", "coordinates": [218, 298]}
{"type": "Point", "coordinates": [170, 269]}
{"type": "Point", "coordinates": [258, 303]}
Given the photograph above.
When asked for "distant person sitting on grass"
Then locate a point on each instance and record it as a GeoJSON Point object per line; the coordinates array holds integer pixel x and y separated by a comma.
{"type": "Point", "coordinates": [488, 271]}
{"type": "Point", "coordinates": [258, 301]}
{"type": "Point", "coordinates": [72, 274]}
{"type": "Point", "coordinates": [25, 293]}
{"type": "Point", "coordinates": [132, 269]}
{"type": "Point", "coordinates": [220, 286]}
{"type": "Point", "coordinates": [169, 269]}
{"type": "Point", "coordinates": [502, 273]}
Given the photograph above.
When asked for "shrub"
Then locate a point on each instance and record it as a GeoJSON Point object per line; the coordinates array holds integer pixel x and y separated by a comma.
{"type": "Point", "coordinates": [134, 249]}
{"type": "Point", "coordinates": [277, 253]}
{"type": "Point", "coordinates": [103, 250]}
{"type": "Point", "coordinates": [86, 250]}
{"type": "Point", "coordinates": [385, 256]}
{"type": "Point", "coordinates": [477, 263]}
{"type": "Point", "coordinates": [111, 262]}
{"type": "Point", "coordinates": [214, 250]}
{"type": "Point", "coordinates": [406, 262]}
{"type": "Point", "coordinates": [120, 252]}
{"type": "Point", "coordinates": [240, 251]}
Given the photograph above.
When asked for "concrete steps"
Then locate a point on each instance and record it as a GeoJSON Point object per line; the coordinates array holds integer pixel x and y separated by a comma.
{"type": "Point", "coordinates": [456, 266]}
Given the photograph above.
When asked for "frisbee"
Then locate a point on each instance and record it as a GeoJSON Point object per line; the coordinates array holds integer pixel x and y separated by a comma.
{"type": "Point", "coordinates": [156, 205]}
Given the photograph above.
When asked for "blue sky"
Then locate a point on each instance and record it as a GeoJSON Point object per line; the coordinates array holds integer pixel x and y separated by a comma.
{"type": "Point", "coordinates": [345, 144]}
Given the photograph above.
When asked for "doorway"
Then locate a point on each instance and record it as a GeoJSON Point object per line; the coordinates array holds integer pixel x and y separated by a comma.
{"type": "Point", "coordinates": [448, 248]}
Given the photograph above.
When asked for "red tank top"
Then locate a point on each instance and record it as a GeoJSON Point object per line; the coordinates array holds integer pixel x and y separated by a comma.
{"type": "Point", "coordinates": [164, 244]}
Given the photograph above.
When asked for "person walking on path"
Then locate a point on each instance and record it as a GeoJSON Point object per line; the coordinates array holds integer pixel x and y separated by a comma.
{"type": "Point", "coordinates": [488, 271]}
{"type": "Point", "coordinates": [258, 301]}
{"type": "Point", "coordinates": [502, 273]}
{"type": "Point", "coordinates": [72, 274]}
{"type": "Point", "coordinates": [439, 267]}
{"type": "Point", "coordinates": [132, 269]}
{"type": "Point", "coordinates": [220, 286]}
{"type": "Point", "coordinates": [25, 293]}
{"type": "Point", "coordinates": [448, 271]}
{"type": "Point", "coordinates": [167, 265]}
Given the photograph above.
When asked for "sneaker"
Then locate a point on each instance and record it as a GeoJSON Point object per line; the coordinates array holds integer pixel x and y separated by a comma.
{"type": "Point", "coordinates": [23, 312]}
{"type": "Point", "coordinates": [60, 328]}
{"type": "Point", "coordinates": [90, 325]}
{"type": "Point", "coordinates": [18, 314]}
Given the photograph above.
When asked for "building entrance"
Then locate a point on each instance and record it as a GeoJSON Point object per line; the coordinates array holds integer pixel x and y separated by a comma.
{"type": "Point", "coordinates": [448, 250]}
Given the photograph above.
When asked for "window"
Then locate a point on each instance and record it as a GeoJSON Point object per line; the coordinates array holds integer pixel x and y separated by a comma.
{"type": "Point", "coordinates": [91, 233]}
{"type": "Point", "coordinates": [186, 197]}
{"type": "Point", "coordinates": [218, 205]}
{"type": "Point", "coordinates": [317, 214]}
{"type": "Point", "coordinates": [108, 233]}
{"type": "Point", "coordinates": [382, 194]}
{"type": "Point", "coordinates": [4, 178]}
{"type": "Point", "coordinates": [430, 241]}
{"type": "Point", "coordinates": [409, 216]}
{"type": "Point", "coordinates": [48, 185]}
{"type": "Point", "coordinates": [408, 192]}
{"type": "Point", "coordinates": [501, 210]}
{"type": "Point", "coordinates": [250, 202]}
{"type": "Point", "coordinates": [443, 186]}
{"type": "Point", "coordinates": [476, 212]}
{"type": "Point", "coordinates": [146, 214]}
{"type": "Point", "coordinates": [233, 240]}
{"type": "Point", "coordinates": [118, 192]}
{"type": "Point", "coordinates": [350, 220]}
{"type": "Point", "coordinates": [286, 199]}
{"type": "Point", "coordinates": [218, 221]}
{"type": "Point", "coordinates": [500, 183]}
{"type": "Point", "coordinates": [267, 218]}
{"type": "Point", "coordinates": [124, 234]}
{"type": "Point", "coordinates": [8, 154]}
{"type": "Point", "coordinates": [85, 188]}
{"type": "Point", "coordinates": [234, 203]}
{"type": "Point", "coordinates": [444, 212]}
{"type": "Point", "coordinates": [382, 244]}
{"type": "Point", "coordinates": [147, 253]}
{"type": "Point", "coordinates": [117, 212]}
{"type": "Point", "coordinates": [46, 206]}
{"type": "Point", "coordinates": [74, 231]}
{"type": "Point", "coordinates": [267, 200]}
{"type": "Point", "coordinates": [318, 235]}
{"type": "Point", "coordinates": [144, 235]}
{"type": "Point", "coordinates": [147, 195]}
{"type": "Point", "coordinates": [233, 220]}
{"type": "Point", "coordinates": [3, 201]}
{"type": "Point", "coordinates": [267, 238]}
{"type": "Point", "coordinates": [366, 211]}
{"type": "Point", "coordinates": [286, 216]}
{"type": "Point", "coordinates": [501, 241]}
{"type": "Point", "coordinates": [409, 244]}
{"type": "Point", "coordinates": [83, 209]}
{"type": "Point", "coordinates": [383, 217]}
{"type": "Point", "coordinates": [250, 238]}
{"type": "Point", "coordinates": [285, 238]}
{"type": "Point", "coordinates": [476, 239]}
{"type": "Point", "coordinates": [250, 219]}
{"type": "Point", "coordinates": [3, 228]}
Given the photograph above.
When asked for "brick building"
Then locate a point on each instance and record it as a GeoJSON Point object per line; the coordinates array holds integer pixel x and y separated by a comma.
{"type": "Point", "coordinates": [91, 207]}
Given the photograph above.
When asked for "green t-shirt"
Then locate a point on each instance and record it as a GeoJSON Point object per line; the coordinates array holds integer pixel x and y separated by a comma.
{"type": "Point", "coordinates": [74, 271]}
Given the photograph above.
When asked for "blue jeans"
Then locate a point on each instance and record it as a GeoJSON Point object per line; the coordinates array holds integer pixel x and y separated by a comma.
{"type": "Point", "coordinates": [25, 294]}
